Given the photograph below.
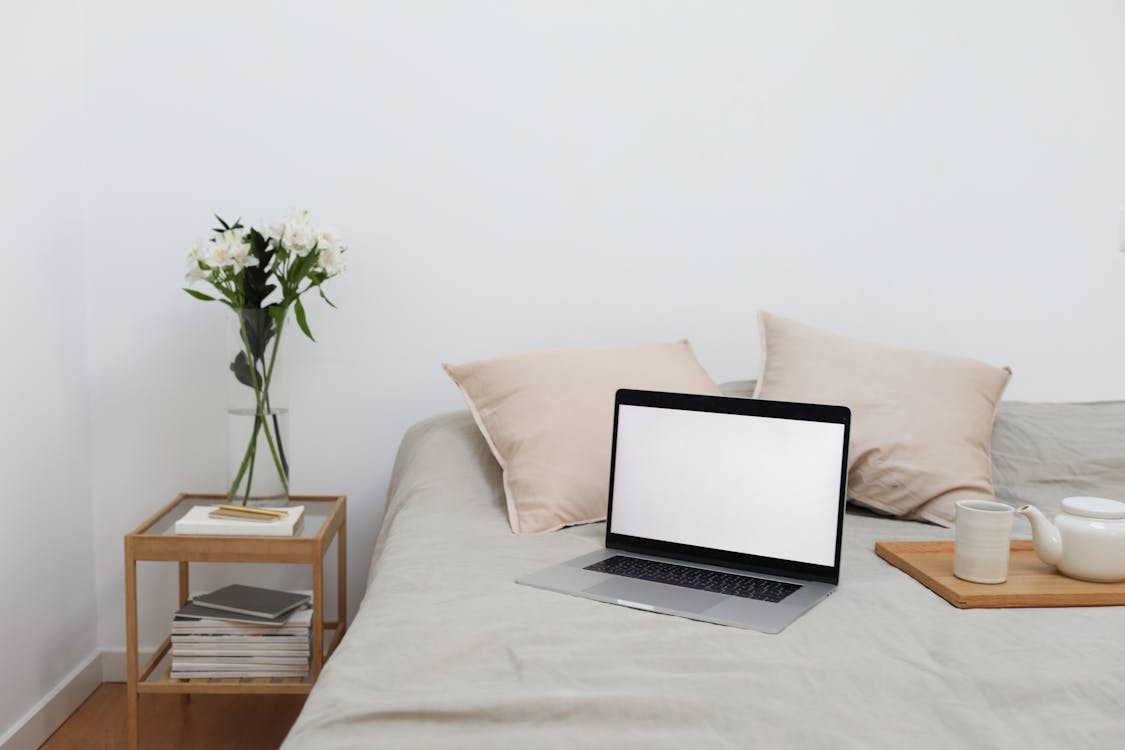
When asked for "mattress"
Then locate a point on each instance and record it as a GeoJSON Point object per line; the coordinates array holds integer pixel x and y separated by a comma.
{"type": "Point", "coordinates": [447, 651]}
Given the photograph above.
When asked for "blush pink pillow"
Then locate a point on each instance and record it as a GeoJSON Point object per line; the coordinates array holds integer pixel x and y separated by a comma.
{"type": "Point", "coordinates": [921, 422]}
{"type": "Point", "coordinates": [548, 419]}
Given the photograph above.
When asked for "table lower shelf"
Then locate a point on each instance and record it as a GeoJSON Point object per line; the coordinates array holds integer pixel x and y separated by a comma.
{"type": "Point", "coordinates": [156, 676]}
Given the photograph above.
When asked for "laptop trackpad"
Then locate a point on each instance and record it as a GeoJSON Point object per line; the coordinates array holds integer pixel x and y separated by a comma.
{"type": "Point", "coordinates": [661, 595]}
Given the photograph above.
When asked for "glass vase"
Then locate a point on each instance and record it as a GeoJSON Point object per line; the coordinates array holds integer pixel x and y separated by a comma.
{"type": "Point", "coordinates": [257, 415]}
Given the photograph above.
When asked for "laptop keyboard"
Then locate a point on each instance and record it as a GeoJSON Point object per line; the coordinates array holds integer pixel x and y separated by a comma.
{"type": "Point", "coordinates": [747, 587]}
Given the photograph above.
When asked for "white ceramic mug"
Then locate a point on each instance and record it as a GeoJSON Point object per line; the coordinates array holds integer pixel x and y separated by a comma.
{"type": "Point", "coordinates": [983, 541]}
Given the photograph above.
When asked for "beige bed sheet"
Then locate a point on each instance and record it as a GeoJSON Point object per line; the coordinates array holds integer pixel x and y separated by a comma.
{"type": "Point", "coordinates": [447, 652]}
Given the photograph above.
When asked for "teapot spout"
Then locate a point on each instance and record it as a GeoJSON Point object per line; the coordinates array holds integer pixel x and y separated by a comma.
{"type": "Point", "coordinates": [1047, 540]}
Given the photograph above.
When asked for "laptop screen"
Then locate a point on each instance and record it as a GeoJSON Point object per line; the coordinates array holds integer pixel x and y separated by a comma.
{"type": "Point", "coordinates": [766, 484]}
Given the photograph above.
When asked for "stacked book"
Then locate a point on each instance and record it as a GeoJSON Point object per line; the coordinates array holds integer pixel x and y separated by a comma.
{"type": "Point", "coordinates": [242, 631]}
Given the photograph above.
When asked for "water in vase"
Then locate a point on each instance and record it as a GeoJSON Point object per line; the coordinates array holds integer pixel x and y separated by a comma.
{"type": "Point", "coordinates": [258, 457]}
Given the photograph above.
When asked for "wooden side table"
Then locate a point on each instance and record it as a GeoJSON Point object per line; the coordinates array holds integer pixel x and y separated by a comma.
{"type": "Point", "coordinates": [325, 519]}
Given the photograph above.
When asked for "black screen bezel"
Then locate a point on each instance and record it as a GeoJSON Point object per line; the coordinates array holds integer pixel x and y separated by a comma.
{"type": "Point", "coordinates": [749, 407]}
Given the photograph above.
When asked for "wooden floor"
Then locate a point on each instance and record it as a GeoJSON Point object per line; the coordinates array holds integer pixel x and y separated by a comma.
{"type": "Point", "coordinates": [214, 722]}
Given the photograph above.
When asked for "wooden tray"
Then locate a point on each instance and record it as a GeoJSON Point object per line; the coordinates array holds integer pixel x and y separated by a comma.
{"type": "Point", "coordinates": [1031, 583]}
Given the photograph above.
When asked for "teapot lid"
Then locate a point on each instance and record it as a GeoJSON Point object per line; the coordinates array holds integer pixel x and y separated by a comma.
{"type": "Point", "coordinates": [1094, 507]}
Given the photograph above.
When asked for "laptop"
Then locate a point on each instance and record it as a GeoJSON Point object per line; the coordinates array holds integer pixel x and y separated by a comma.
{"type": "Point", "coordinates": [728, 510]}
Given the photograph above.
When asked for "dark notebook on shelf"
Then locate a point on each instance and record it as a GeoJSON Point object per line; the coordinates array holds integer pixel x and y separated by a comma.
{"type": "Point", "coordinates": [192, 611]}
{"type": "Point", "coordinates": [252, 600]}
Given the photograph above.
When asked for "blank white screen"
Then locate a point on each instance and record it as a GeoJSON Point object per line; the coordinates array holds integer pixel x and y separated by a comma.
{"type": "Point", "coordinates": [755, 485]}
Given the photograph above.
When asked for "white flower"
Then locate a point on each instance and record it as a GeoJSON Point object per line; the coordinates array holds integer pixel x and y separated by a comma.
{"type": "Point", "coordinates": [295, 232]}
{"type": "Point", "coordinates": [238, 247]}
{"type": "Point", "coordinates": [330, 259]}
{"type": "Point", "coordinates": [196, 255]}
{"type": "Point", "coordinates": [329, 249]}
{"type": "Point", "coordinates": [195, 273]}
{"type": "Point", "coordinates": [329, 239]}
{"type": "Point", "coordinates": [233, 237]}
{"type": "Point", "coordinates": [217, 254]}
{"type": "Point", "coordinates": [241, 258]}
{"type": "Point", "coordinates": [198, 252]}
{"type": "Point", "coordinates": [231, 249]}
{"type": "Point", "coordinates": [299, 237]}
{"type": "Point", "coordinates": [274, 231]}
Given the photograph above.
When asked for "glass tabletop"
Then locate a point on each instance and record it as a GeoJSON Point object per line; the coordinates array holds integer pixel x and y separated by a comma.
{"type": "Point", "coordinates": [316, 513]}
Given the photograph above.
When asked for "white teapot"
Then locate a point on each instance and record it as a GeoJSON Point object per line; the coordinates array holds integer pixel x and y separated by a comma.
{"type": "Point", "coordinates": [1087, 540]}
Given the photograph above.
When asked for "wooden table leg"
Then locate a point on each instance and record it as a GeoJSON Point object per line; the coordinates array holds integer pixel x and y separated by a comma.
{"type": "Point", "coordinates": [318, 617]}
{"type": "Point", "coordinates": [342, 579]}
{"type": "Point", "coordinates": [184, 594]}
{"type": "Point", "coordinates": [183, 582]}
{"type": "Point", "coordinates": [131, 655]}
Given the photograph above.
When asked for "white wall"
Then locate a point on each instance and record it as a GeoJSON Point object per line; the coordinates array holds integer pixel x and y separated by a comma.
{"type": "Point", "coordinates": [517, 175]}
{"type": "Point", "coordinates": [48, 625]}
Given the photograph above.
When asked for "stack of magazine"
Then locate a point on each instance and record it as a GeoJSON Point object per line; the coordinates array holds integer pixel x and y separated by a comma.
{"type": "Point", "coordinates": [242, 631]}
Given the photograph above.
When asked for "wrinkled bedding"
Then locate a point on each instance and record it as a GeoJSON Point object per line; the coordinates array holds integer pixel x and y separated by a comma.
{"type": "Point", "coordinates": [447, 652]}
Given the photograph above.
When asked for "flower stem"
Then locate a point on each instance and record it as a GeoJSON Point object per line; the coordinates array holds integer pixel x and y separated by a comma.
{"type": "Point", "coordinates": [261, 399]}
{"type": "Point", "coordinates": [266, 391]}
{"type": "Point", "coordinates": [253, 448]}
{"type": "Point", "coordinates": [247, 459]}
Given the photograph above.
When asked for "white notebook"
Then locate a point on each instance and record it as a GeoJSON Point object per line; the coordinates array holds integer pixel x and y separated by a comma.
{"type": "Point", "coordinates": [197, 521]}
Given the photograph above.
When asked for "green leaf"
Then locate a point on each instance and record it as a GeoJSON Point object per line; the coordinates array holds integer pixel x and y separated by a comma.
{"type": "Point", "coordinates": [255, 281]}
{"type": "Point", "coordinates": [297, 270]}
{"type": "Point", "coordinates": [277, 312]}
{"type": "Point", "coordinates": [199, 295]}
{"type": "Point", "coordinates": [258, 328]}
{"type": "Point", "coordinates": [236, 225]}
{"type": "Point", "coordinates": [323, 296]}
{"type": "Point", "coordinates": [241, 369]}
{"type": "Point", "coordinates": [299, 311]}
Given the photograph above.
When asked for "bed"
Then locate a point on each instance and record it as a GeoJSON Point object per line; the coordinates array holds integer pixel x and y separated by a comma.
{"type": "Point", "coordinates": [447, 652]}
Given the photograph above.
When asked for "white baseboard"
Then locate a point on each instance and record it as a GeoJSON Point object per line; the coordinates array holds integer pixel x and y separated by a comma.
{"type": "Point", "coordinates": [34, 727]}
{"type": "Point", "coordinates": [115, 668]}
